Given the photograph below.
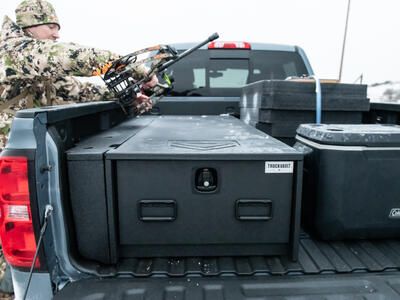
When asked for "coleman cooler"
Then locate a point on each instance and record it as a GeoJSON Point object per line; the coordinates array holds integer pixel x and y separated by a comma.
{"type": "Point", "coordinates": [203, 186]}
{"type": "Point", "coordinates": [351, 180]}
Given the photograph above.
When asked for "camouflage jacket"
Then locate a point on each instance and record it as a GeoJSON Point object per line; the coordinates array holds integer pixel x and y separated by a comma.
{"type": "Point", "coordinates": [39, 72]}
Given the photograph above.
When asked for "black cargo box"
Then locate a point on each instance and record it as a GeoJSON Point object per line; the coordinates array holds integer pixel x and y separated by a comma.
{"type": "Point", "coordinates": [278, 107]}
{"type": "Point", "coordinates": [295, 95]}
{"type": "Point", "coordinates": [351, 180]}
{"type": "Point", "coordinates": [188, 186]}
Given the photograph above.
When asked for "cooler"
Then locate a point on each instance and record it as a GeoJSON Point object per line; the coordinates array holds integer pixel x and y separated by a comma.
{"type": "Point", "coordinates": [351, 180]}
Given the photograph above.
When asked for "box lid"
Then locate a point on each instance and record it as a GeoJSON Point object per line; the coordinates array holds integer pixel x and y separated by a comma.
{"type": "Point", "coordinates": [293, 95]}
{"type": "Point", "coordinates": [94, 147]}
{"type": "Point", "coordinates": [370, 135]}
{"type": "Point", "coordinates": [202, 138]}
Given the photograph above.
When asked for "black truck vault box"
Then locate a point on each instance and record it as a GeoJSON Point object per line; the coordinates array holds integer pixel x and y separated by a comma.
{"type": "Point", "coordinates": [351, 180]}
{"type": "Point", "coordinates": [278, 107]}
{"type": "Point", "coordinates": [204, 186]}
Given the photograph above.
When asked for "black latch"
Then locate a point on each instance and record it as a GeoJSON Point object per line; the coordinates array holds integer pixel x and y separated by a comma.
{"type": "Point", "coordinates": [206, 180]}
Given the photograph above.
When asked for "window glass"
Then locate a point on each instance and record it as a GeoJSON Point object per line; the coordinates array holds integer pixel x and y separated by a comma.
{"type": "Point", "coordinates": [228, 73]}
{"type": "Point", "coordinates": [198, 75]}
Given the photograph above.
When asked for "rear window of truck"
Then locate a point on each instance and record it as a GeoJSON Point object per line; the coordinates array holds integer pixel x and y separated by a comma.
{"type": "Point", "coordinates": [224, 72]}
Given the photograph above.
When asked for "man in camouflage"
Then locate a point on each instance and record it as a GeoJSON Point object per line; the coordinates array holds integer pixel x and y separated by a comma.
{"type": "Point", "coordinates": [36, 70]}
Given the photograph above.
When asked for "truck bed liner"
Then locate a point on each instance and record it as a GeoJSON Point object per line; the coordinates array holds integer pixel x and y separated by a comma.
{"type": "Point", "coordinates": [354, 286]}
{"type": "Point", "coordinates": [325, 270]}
{"type": "Point", "coordinates": [315, 257]}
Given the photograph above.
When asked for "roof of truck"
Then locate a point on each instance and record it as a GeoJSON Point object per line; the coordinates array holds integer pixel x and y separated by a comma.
{"type": "Point", "coordinates": [254, 46]}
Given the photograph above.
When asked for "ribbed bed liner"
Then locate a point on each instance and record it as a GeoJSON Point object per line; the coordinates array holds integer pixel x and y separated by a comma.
{"type": "Point", "coordinates": [315, 257]}
{"type": "Point", "coordinates": [325, 270]}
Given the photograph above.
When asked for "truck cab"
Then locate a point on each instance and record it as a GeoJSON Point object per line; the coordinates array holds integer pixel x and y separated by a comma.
{"type": "Point", "coordinates": [209, 81]}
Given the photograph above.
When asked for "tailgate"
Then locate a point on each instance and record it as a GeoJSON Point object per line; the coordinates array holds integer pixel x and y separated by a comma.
{"type": "Point", "coordinates": [350, 286]}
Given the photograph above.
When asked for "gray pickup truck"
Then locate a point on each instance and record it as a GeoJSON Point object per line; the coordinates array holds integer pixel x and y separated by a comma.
{"type": "Point", "coordinates": [82, 218]}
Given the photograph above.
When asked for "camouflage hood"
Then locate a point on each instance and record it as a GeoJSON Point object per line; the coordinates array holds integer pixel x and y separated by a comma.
{"type": "Point", "coordinates": [10, 30]}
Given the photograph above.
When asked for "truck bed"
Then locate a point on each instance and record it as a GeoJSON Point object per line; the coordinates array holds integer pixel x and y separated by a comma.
{"type": "Point", "coordinates": [334, 270]}
{"type": "Point", "coordinates": [360, 286]}
{"type": "Point", "coordinates": [356, 269]}
{"type": "Point", "coordinates": [315, 257]}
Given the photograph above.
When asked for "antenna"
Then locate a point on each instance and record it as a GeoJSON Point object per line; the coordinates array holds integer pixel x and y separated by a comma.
{"type": "Point", "coordinates": [344, 40]}
{"type": "Point", "coordinates": [359, 78]}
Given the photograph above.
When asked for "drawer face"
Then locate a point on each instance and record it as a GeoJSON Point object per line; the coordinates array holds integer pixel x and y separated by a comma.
{"type": "Point", "coordinates": [202, 202]}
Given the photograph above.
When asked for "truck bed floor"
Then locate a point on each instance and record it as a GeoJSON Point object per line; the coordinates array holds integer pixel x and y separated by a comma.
{"type": "Point", "coordinates": [313, 287]}
{"type": "Point", "coordinates": [325, 270]}
{"type": "Point", "coordinates": [315, 257]}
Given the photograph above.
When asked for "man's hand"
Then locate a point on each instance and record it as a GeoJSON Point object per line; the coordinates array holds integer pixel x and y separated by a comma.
{"type": "Point", "coordinates": [142, 104]}
{"type": "Point", "coordinates": [151, 83]}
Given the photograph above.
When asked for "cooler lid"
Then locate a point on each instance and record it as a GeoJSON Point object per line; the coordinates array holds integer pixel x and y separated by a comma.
{"type": "Point", "coordinates": [200, 138]}
{"type": "Point", "coordinates": [371, 135]}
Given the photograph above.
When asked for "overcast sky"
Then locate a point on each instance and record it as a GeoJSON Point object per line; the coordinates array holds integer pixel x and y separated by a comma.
{"type": "Point", "coordinates": [372, 49]}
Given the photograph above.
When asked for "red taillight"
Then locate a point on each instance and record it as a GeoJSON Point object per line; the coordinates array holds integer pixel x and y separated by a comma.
{"type": "Point", "coordinates": [16, 229]}
{"type": "Point", "coordinates": [229, 45]}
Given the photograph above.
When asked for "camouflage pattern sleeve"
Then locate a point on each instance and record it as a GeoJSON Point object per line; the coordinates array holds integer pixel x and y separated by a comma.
{"type": "Point", "coordinates": [5, 125]}
{"type": "Point", "coordinates": [45, 58]}
{"type": "Point", "coordinates": [71, 89]}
